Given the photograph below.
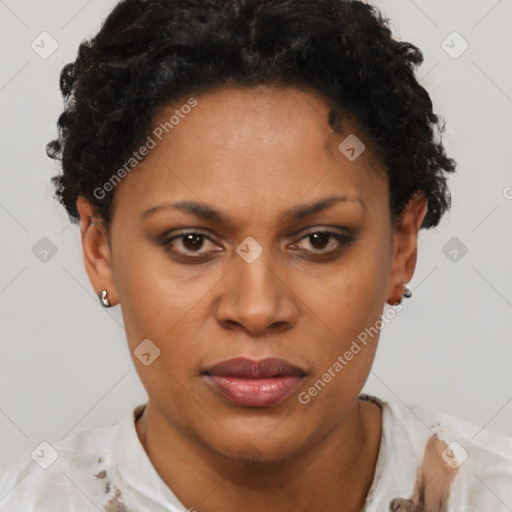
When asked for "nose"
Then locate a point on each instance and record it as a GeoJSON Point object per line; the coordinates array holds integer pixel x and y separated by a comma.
{"type": "Point", "coordinates": [256, 298]}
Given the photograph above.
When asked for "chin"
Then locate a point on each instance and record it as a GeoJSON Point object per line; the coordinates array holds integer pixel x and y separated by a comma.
{"type": "Point", "coordinates": [262, 446]}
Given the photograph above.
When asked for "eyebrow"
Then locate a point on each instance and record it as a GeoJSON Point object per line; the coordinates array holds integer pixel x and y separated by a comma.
{"type": "Point", "coordinates": [207, 212]}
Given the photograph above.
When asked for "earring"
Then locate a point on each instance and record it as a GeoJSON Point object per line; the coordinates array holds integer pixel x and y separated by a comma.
{"type": "Point", "coordinates": [104, 301]}
{"type": "Point", "coordinates": [407, 292]}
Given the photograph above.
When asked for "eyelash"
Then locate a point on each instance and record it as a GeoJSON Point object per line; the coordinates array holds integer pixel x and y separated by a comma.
{"type": "Point", "coordinates": [344, 240]}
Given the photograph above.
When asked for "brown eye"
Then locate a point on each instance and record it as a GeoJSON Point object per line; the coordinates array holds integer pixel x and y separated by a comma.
{"type": "Point", "coordinates": [319, 240]}
{"type": "Point", "coordinates": [192, 241]}
{"type": "Point", "coordinates": [324, 242]}
{"type": "Point", "coordinates": [191, 244]}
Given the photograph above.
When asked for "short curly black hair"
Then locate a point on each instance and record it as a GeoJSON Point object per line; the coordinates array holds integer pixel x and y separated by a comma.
{"type": "Point", "coordinates": [149, 53]}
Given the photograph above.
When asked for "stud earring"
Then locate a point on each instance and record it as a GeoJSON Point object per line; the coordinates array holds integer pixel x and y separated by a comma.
{"type": "Point", "coordinates": [104, 301]}
{"type": "Point", "coordinates": [407, 292]}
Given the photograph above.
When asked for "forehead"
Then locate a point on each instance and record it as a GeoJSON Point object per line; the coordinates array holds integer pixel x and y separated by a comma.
{"type": "Point", "coordinates": [259, 149]}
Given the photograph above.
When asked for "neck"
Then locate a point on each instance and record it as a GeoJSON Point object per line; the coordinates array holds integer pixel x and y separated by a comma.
{"type": "Point", "coordinates": [334, 473]}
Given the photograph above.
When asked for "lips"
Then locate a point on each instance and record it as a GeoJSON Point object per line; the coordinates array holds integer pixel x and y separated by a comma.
{"type": "Point", "coordinates": [242, 367]}
{"type": "Point", "coordinates": [250, 383]}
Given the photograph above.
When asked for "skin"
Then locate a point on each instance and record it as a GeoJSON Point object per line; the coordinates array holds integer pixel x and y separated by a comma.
{"type": "Point", "coordinates": [254, 154]}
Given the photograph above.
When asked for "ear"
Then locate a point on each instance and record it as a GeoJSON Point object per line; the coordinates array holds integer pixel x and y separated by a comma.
{"type": "Point", "coordinates": [96, 251]}
{"type": "Point", "coordinates": [405, 246]}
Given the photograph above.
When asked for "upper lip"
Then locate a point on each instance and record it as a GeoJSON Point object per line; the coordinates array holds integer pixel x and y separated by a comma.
{"type": "Point", "coordinates": [244, 367]}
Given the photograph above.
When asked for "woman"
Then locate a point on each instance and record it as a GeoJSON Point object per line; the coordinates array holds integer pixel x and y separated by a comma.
{"type": "Point", "coordinates": [250, 179]}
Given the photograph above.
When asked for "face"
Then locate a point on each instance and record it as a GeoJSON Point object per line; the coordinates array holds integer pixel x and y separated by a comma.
{"type": "Point", "coordinates": [241, 267]}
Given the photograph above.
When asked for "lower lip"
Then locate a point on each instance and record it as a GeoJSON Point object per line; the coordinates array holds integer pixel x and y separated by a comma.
{"type": "Point", "coordinates": [263, 392]}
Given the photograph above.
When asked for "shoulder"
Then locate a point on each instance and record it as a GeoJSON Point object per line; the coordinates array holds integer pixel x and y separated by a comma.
{"type": "Point", "coordinates": [480, 443]}
{"type": "Point", "coordinates": [76, 471]}
{"type": "Point", "coordinates": [475, 463]}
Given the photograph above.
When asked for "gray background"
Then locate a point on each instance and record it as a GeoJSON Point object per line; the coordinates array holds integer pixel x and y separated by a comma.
{"type": "Point", "coordinates": [64, 364]}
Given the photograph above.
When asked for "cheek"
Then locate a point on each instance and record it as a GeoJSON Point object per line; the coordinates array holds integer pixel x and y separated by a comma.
{"type": "Point", "coordinates": [342, 355]}
{"type": "Point", "coordinates": [157, 307]}
{"type": "Point", "coordinates": [350, 296]}
{"type": "Point", "coordinates": [163, 303]}
{"type": "Point", "coordinates": [155, 294]}
{"type": "Point", "coordinates": [348, 304]}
